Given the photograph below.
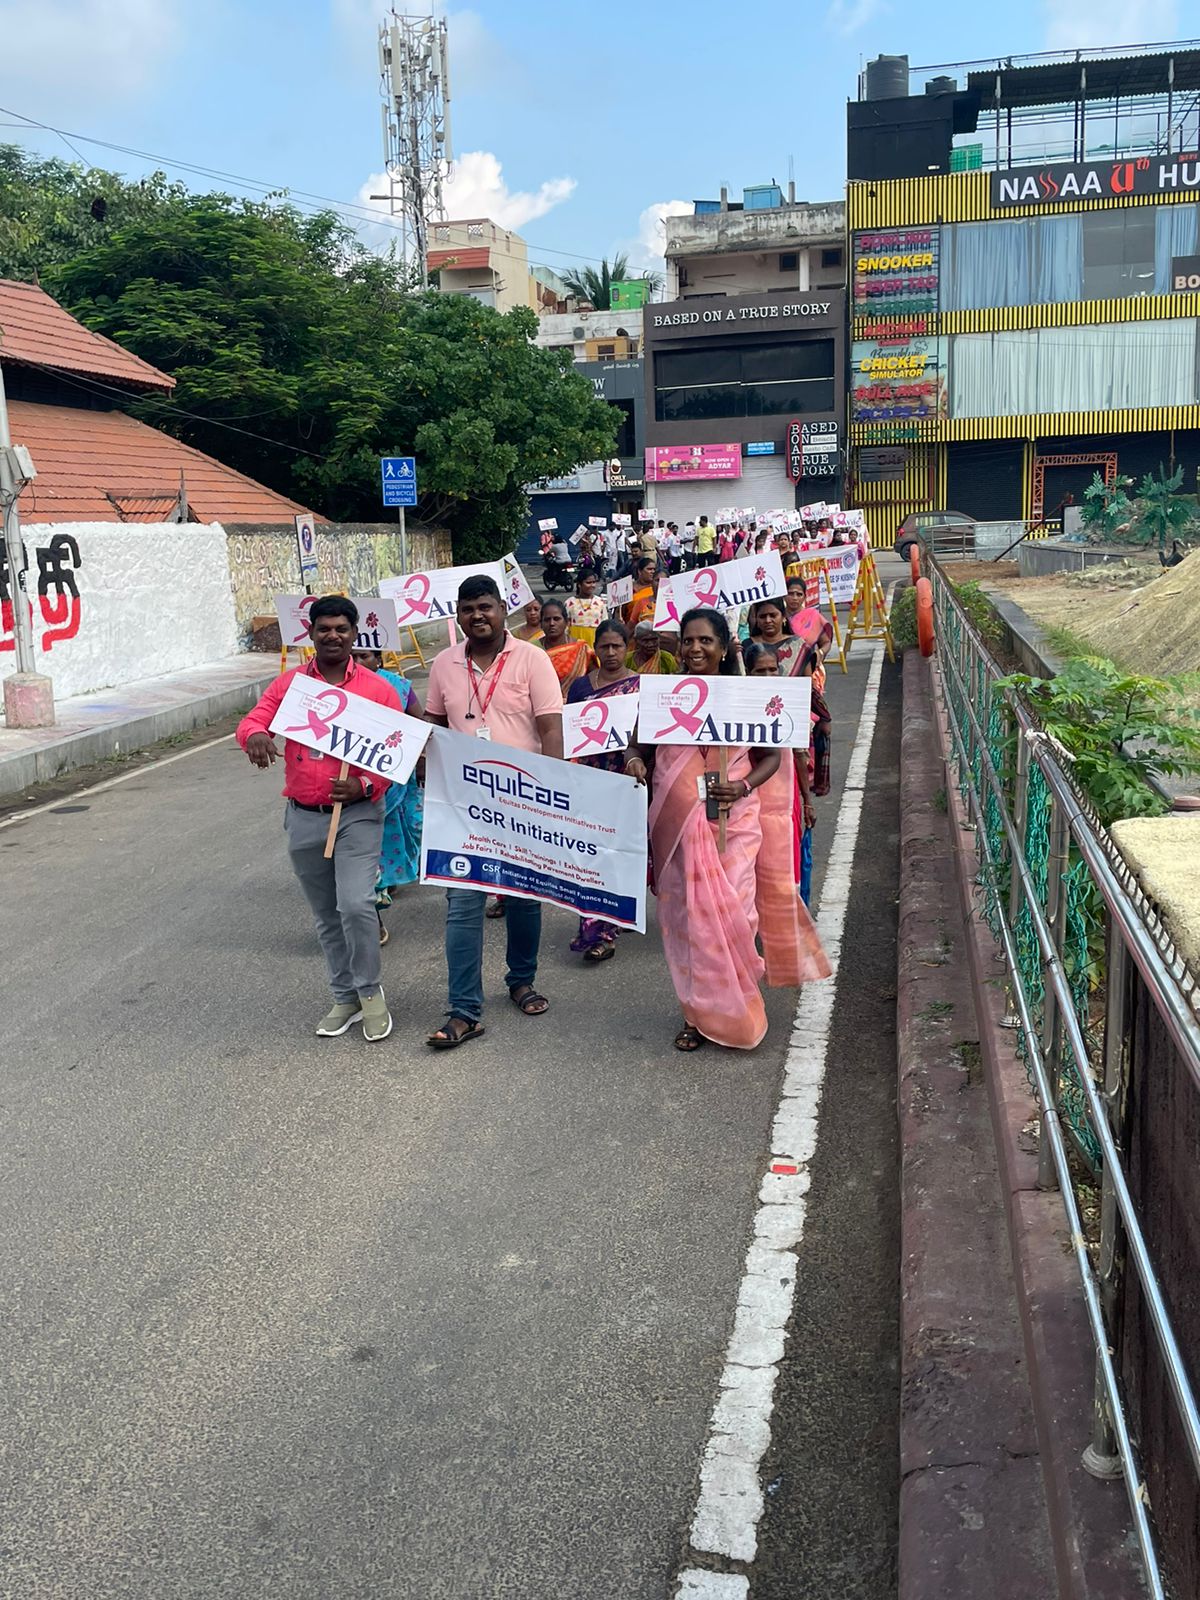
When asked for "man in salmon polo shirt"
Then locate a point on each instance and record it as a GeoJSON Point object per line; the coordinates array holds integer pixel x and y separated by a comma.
{"type": "Point", "coordinates": [340, 890]}
{"type": "Point", "coordinates": [494, 687]}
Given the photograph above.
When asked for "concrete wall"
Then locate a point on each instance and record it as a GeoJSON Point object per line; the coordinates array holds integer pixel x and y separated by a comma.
{"type": "Point", "coordinates": [263, 562]}
{"type": "Point", "coordinates": [119, 601]}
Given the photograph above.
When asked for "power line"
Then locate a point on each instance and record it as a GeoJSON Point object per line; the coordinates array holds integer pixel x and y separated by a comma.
{"type": "Point", "coordinates": [355, 211]}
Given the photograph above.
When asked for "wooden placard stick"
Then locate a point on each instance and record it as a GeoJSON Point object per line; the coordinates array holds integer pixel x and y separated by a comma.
{"type": "Point", "coordinates": [336, 814]}
{"type": "Point", "coordinates": [722, 777]}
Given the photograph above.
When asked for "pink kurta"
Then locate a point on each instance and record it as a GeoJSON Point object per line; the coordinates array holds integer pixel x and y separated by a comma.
{"type": "Point", "coordinates": [708, 902]}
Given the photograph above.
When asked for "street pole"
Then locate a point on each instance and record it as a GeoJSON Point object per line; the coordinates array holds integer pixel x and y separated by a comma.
{"type": "Point", "coordinates": [28, 695]}
{"type": "Point", "coordinates": [403, 542]}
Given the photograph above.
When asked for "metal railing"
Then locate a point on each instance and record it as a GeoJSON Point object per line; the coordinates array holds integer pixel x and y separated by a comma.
{"type": "Point", "coordinates": [1054, 887]}
{"type": "Point", "coordinates": [986, 541]}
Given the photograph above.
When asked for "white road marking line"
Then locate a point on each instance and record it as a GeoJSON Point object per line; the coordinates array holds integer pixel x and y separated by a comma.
{"type": "Point", "coordinates": [730, 1502]}
{"type": "Point", "coordinates": [111, 783]}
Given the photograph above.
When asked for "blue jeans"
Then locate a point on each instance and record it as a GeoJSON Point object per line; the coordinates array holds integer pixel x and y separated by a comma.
{"type": "Point", "coordinates": [464, 947]}
{"type": "Point", "coordinates": [806, 866]}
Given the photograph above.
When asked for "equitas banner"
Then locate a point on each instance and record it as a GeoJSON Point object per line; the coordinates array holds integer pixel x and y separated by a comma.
{"type": "Point", "coordinates": [507, 822]}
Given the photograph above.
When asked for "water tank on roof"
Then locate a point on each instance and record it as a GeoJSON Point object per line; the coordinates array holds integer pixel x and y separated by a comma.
{"type": "Point", "coordinates": [887, 78]}
{"type": "Point", "coordinates": [762, 197]}
{"type": "Point", "coordinates": [942, 86]}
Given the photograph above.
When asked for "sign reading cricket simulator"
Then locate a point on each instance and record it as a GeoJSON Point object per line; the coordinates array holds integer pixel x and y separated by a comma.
{"type": "Point", "coordinates": [507, 822]}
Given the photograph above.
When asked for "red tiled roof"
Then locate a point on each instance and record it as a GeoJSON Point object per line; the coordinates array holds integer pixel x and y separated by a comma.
{"type": "Point", "coordinates": [35, 329]}
{"type": "Point", "coordinates": [82, 457]}
{"type": "Point", "coordinates": [458, 259]}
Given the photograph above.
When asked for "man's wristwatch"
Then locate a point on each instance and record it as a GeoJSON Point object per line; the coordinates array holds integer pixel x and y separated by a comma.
{"type": "Point", "coordinates": [368, 788]}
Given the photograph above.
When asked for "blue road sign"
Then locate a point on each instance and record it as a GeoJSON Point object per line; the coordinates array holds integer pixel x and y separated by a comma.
{"type": "Point", "coordinates": [399, 475]}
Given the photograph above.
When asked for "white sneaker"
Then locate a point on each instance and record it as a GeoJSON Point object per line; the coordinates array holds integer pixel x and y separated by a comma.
{"type": "Point", "coordinates": [377, 1019]}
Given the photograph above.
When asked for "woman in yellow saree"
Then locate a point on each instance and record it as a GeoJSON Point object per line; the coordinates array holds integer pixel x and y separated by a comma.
{"type": "Point", "coordinates": [709, 900]}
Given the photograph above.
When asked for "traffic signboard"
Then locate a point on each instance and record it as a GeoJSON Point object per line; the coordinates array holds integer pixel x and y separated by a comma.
{"type": "Point", "coordinates": [399, 475]}
{"type": "Point", "coordinates": [306, 546]}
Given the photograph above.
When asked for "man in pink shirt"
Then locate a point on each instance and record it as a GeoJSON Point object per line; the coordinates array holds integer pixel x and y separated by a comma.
{"type": "Point", "coordinates": [341, 890]}
{"type": "Point", "coordinates": [500, 688]}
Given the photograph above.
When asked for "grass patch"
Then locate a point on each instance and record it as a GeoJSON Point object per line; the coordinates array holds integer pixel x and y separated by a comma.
{"type": "Point", "coordinates": [936, 1011]}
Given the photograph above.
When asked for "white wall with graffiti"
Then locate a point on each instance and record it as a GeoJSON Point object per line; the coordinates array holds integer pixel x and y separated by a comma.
{"type": "Point", "coordinates": [113, 601]}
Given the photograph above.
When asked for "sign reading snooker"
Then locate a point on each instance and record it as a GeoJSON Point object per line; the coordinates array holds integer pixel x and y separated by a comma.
{"type": "Point", "coordinates": [507, 822]}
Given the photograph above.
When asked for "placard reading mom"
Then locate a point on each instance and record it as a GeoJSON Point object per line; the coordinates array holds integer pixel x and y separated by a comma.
{"type": "Point", "coordinates": [507, 822]}
{"type": "Point", "coordinates": [349, 728]}
{"type": "Point", "coordinates": [599, 727]}
{"type": "Point", "coordinates": [733, 583]}
{"type": "Point", "coordinates": [764, 713]}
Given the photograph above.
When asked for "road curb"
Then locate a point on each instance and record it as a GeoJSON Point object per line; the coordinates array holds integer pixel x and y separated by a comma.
{"type": "Point", "coordinates": [19, 769]}
{"type": "Point", "coordinates": [1094, 1552]}
{"type": "Point", "coordinates": [972, 1505]}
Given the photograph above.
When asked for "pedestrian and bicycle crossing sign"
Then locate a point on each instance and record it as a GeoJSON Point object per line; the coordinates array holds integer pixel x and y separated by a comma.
{"type": "Point", "coordinates": [399, 475]}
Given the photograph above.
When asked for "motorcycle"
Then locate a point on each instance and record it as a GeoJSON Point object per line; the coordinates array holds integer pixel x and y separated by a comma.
{"type": "Point", "coordinates": [558, 575]}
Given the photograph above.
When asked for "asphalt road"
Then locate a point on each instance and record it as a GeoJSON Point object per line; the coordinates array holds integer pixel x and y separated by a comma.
{"type": "Point", "coordinates": [289, 1317]}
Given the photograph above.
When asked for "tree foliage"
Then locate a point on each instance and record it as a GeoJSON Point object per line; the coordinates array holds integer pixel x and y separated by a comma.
{"type": "Point", "coordinates": [300, 357]}
{"type": "Point", "coordinates": [594, 284]}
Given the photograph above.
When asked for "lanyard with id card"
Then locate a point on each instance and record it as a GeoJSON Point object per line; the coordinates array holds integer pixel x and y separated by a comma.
{"type": "Point", "coordinates": [484, 701]}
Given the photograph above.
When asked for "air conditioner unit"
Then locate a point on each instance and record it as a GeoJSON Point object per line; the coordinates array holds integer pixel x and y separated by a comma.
{"type": "Point", "coordinates": [578, 333]}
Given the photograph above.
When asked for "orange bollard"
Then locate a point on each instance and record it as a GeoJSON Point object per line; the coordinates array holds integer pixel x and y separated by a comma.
{"type": "Point", "coordinates": [925, 616]}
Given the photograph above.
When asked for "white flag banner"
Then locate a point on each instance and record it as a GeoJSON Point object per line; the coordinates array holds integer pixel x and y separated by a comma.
{"type": "Point", "coordinates": [841, 563]}
{"type": "Point", "coordinates": [377, 626]}
{"type": "Point", "coordinates": [764, 713]}
{"type": "Point", "coordinates": [619, 592]}
{"type": "Point", "coordinates": [646, 514]}
{"type": "Point", "coordinates": [506, 822]}
{"type": "Point", "coordinates": [621, 519]}
{"type": "Point", "coordinates": [597, 522]}
{"type": "Point", "coordinates": [814, 511]}
{"type": "Point", "coordinates": [433, 596]}
{"type": "Point", "coordinates": [578, 534]}
{"type": "Point", "coordinates": [515, 588]}
{"type": "Point", "coordinates": [372, 737]}
{"type": "Point", "coordinates": [547, 524]}
{"type": "Point", "coordinates": [601, 726]}
{"type": "Point", "coordinates": [731, 583]}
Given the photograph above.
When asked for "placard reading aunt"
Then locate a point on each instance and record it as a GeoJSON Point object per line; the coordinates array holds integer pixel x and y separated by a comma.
{"type": "Point", "coordinates": [377, 627]}
{"type": "Point", "coordinates": [345, 726]}
{"type": "Point", "coordinates": [601, 726]}
{"type": "Point", "coordinates": [733, 583]}
{"type": "Point", "coordinates": [764, 713]}
{"type": "Point", "coordinates": [433, 596]}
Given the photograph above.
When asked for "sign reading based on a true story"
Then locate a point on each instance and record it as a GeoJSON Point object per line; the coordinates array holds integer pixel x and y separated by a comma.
{"type": "Point", "coordinates": [377, 629]}
{"type": "Point", "coordinates": [732, 583]}
{"type": "Point", "coordinates": [602, 726]}
{"type": "Point", "coordinates": [433, 596]}
{"type": "Point", "coordinates": [337, 723]}
{"type": "Point", "coordinates": [761, 712]}
{"type": "Point", "coordinates": [504, 821]}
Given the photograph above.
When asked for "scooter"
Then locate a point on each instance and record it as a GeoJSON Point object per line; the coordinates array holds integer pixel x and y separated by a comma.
{"type": "Point", "coordinates": [556, 575]}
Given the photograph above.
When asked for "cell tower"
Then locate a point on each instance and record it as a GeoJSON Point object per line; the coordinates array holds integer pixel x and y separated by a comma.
{"type": "Point", "coordinates": [414, 72]}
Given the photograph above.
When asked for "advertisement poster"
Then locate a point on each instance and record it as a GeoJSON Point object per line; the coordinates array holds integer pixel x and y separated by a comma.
{"type": "Point", "coordinates": [599, 727]}
{"type": "Point", "coordinates": [677, 463]}
{"type": "Point", "coordinates": [898, 380]}
{"type": "Point", "coordinates": [377, 626]}
{"type": "Point", "coordinates": [765, 713]}
{"type": "Point", "coordinates": [732, 583]}
{"type": "Point", "coordinates": [345, 726]}
{"type": "Point", "coordinates": [896, 273]}
{"type": "Point", "coordinates": [506, 822]}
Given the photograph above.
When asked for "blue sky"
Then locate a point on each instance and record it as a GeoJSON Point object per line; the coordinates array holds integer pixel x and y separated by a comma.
{"type": "Point", "coordinates": [571, 122]}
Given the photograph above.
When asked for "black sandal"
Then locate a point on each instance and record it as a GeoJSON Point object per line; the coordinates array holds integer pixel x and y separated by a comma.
{"type": "Point", "coordinates": [599, 953]}
{"type": "Point", "coordinates": [689, 1039]}
{"type": "Point", "coordinates": [531, 1003]}
{"type": "Point", "coordinates": [447, 1039]}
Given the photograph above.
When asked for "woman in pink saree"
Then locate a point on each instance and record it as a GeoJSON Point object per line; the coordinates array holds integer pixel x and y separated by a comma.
{"type": "Point", "coordinates": [713, 905]}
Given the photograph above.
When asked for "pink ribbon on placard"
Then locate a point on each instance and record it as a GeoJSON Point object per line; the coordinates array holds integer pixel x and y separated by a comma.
{"type": "Point", "coordinates": [685, 717]}
{"type": "Point", "coordinates": [303, 608]}
{"type": "Point", "coordinates": [318, 726]}
{"type": "Point", "coordinates": [594, 731]}
{"type": "Point", "coordinates": [418, 604]}
{"type": "Point", "coordinates": [706, 589]}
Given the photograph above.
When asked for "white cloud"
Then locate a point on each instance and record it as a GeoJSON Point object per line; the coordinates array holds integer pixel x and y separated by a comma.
{"type": "Point", "coordinates": [1083, 24]}
{"type": "Point", "coordinates": [848, 16]}
{"type": "Point", "coordinates": [475, 188]}
{"type": "Point", "coordinates": [63, 58]}
{"type": "Point", "coordinates": [646, 251]}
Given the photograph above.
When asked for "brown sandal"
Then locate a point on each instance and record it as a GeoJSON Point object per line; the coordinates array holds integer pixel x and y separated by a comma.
{"type": "Point", "coordinates": [689, 1039]}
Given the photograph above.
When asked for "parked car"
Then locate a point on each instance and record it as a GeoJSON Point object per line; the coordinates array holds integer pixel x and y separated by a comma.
{"type": "Point", "coordinates": [947, 532]}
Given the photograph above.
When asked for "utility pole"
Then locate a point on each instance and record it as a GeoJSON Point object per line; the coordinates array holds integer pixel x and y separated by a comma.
{"type": "Point", "coordinates": [28, 694]}
{"type": "Point", "coordinates": [414, 69]}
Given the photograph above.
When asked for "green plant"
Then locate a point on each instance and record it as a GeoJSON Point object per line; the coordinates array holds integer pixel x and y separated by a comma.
{"type": "Point", "coordinates": [981, 612]}
{"type": "Point", "coordinates": [1105, 509]}
{"type": "Point", "coordinates": [593, 284]}
{"type": "Point", "coordinates": [1119, 728]}
{"type": "Point", "coordinates": [1164, 513]}
{"type": "Point", "coordinates": [903, 618]}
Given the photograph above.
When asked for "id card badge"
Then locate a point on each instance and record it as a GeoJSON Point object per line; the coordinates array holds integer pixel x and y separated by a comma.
{"type": "Point", "coordinates": [702, 787]}
{"type": "Point", "coordinates": [483, 731]}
